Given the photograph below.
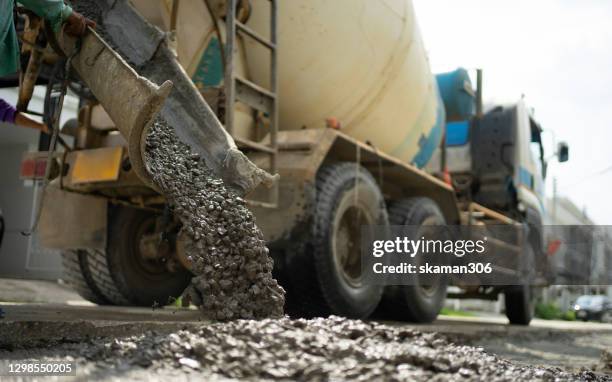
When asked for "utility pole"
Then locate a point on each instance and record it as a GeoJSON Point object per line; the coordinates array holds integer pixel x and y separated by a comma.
{"type": "Point", "coordinates": [554, 202]}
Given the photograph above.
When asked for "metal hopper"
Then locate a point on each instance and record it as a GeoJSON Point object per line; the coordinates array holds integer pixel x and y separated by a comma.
{"type": "Point", "coordinates": [153, 84]}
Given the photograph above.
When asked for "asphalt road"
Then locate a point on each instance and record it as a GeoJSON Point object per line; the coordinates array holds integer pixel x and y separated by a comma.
{"type": "Point", "coordinates": [33, 324]}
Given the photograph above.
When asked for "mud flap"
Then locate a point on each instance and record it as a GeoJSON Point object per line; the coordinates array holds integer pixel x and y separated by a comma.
{"type": "Point", "coordinates": [72, 221]}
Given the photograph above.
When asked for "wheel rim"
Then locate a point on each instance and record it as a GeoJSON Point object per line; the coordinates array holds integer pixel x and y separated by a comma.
{"type": "Point", "coordinates": [428, 290]}
{"type": "Point", "coordinates": [351, 215]}
{"type": "Point", "coordinates": [435, 280]}
{"type": "Point", "coordinates": [152, 267]}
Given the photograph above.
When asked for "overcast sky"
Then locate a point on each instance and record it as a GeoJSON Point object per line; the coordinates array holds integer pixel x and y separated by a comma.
{"type": "Point", "coordinates": [558, 53]}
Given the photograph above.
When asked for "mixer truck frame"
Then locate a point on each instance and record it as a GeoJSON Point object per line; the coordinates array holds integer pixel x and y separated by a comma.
{"type": "Point", "coordinates": [121, 245]}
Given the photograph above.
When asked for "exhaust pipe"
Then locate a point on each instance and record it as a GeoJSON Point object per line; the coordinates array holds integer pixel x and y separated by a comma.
{"type": "Point", "coordinates": [479, 107]}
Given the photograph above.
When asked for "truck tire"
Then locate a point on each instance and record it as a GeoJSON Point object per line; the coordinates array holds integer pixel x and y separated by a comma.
{"type": "Point", "coordinates": [77, 274]}
{"type": "Point", "coordinates": [519, 305]}
{"type": "Point", "coordinates": [123, 275]}
{"type": "Point", "coordinates": [519, 299]}
{"type": "Point", "coordinates": [328, 273]}
{"type": "Point", "coordinates": [97, 261]}
{"type": "Point", "coordinates": [415, 303]}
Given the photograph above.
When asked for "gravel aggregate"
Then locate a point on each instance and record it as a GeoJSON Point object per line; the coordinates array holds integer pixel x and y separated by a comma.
{"type": "Point", "coordinates": [233, 282]}
{"type": "Point", "coordinates": [233, 271]}
{"type": "Point", "coordinates": [323, 349]}
{"type": "Point", "coordinates": [232, 267]}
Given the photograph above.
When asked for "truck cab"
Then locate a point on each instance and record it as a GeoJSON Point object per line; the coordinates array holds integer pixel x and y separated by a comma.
{"type": "Point", "coordinates": [495, 157]}
{"type": "Point", "coordinates": [496, 163]}
{"type": "Point", "coordinates": [497, 160]}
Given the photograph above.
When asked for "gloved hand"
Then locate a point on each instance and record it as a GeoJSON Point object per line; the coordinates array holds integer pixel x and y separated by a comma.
{"type": "Point", "coordinates": [76, 24]}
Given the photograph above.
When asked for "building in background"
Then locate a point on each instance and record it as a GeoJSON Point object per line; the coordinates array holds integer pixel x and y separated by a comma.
{"type": "Point", "coordinates": [21, 256]}
{"type": "Point", "coordinates": [585, 265]}
{"type": "Point", "coordinates": [592, 257]}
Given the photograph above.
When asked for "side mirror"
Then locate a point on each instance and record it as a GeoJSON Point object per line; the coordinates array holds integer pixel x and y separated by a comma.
{"type": "Point", "coordinates": [563, 152]}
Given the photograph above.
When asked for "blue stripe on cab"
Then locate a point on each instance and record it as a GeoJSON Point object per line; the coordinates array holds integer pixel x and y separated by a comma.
{"type": "Point", "coordinates": [525, 177]}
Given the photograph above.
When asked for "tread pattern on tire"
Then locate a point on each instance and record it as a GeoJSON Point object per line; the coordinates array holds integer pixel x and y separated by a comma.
{"type": "Point", "coordinates": [98, 278]}
{"type": "Point", "coordinates": [80, 279]}
{"type": "Point", "coordinates": [404, 212]}
{"type": "Point", "coordinates": [326, 183]}
{"type": "Point", "coordinates": [519, 307]}
{"type": "Point", "coordinates": [329, 179]}
{"type": "Point", "coordinates": [102, 277]}
{"type": "Point", "coordinates": [307, 293]}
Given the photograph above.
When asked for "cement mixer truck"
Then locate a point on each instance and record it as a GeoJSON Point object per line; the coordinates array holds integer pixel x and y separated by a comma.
{"type": "Point", "coordinates": [336, 97]}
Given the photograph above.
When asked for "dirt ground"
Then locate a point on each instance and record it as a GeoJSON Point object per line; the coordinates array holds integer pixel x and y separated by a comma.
{"type": "Point", "coordinates": [107, 342]}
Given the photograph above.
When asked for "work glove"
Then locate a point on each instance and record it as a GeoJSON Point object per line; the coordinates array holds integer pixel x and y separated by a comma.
{"type": "Point", "coordinates": [76, 24]}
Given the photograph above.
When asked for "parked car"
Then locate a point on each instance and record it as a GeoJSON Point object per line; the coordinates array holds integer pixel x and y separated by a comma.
{"type": "Point", "coordinates": [590, 307]}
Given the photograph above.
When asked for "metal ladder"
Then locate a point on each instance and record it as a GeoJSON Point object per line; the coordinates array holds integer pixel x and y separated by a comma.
{"type": "Point", "coordinates": [251, 94]}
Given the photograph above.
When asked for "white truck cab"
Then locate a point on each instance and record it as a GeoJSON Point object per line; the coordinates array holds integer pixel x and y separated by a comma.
{"type": "Point", "coordinates": [498, 160]}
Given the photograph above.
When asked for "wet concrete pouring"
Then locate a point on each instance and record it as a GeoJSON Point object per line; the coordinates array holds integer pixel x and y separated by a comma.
{"type": "Point", "coordinates": [226, 250]}
{"type": "Point", "coordinates": [233, 271]}
{"type": "Point", "coordinates": [233, 280]}
{"type": "Point", "coordinates": [233, 283]}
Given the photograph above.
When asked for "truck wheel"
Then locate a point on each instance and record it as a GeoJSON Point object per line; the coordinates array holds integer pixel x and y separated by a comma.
{"type": "Point", "coordinates": [519, 304]}
{"type": "Point", "coordinates": [415, 303]}
{"type": "Point", "coordinates": [124, 274]}
{"type": "Point", "coordinates": [77, 274]}
{"type": "Point", "coordinates": [519, 299]}
{"type": "Point", "coordinates": [347, 198]}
